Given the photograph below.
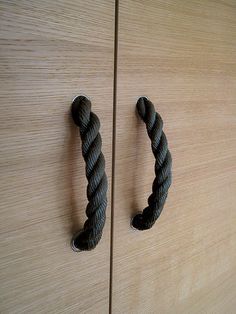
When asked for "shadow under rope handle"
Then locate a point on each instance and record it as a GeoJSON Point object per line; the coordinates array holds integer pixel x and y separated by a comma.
{"type": "Point", "coordinates": [163, 163]}
{"type": "Point", "coordinates": [89, 125]}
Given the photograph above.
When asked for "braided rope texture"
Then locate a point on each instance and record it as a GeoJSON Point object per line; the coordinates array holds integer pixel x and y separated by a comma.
{"type": "Point", "coordinates": [89, 126]}
{"type": "Point", "coordinates": [163, 164]}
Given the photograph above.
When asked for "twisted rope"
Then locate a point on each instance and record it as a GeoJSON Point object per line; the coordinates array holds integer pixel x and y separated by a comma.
{"type": "Point", "coordinates": [89, 125]}
{"type": "Point", "coordinates": [162, 181]}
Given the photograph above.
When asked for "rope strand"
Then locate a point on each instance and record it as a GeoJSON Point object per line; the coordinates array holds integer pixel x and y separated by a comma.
{"type": "Point", "coordinates": [89, 126]}
{"type": "Point", "coordinates": [162, 181]}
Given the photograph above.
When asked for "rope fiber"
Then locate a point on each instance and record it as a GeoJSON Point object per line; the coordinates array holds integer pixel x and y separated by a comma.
{"type": "Point", "coordinates": [89, 126]}
{"type": "Point", "coordinates": [163, 164]}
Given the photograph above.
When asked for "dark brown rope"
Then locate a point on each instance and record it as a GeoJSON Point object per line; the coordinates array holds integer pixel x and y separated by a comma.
{"type": "Point", "coordinates": [89, 125]}
{"type": "Point", "coordinates": [162, 181]}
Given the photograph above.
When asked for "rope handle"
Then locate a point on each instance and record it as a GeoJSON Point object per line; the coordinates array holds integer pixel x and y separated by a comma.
{"type": "Point", "coordinates": [89, 126]}
{"type": "Point", "coordinates": [163, 164]}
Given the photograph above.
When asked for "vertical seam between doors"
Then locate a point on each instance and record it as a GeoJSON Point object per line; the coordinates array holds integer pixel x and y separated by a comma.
{"type": "Point", "coordinates": [113, 150]}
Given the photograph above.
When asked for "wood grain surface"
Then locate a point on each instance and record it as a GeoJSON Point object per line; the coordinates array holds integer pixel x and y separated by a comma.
{"type": "Point", "coordinates": [50, 52]}
{"type": "Point", "coordinates": [181, 54]}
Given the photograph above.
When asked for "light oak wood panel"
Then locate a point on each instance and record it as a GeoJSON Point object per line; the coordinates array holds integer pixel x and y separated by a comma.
{"type": "Point", "coordinates": [181, 54]}
{"type": "Point", "coordinates": [50, 52]}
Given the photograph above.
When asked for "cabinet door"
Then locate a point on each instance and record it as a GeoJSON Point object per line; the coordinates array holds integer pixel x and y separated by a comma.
{"type": "Point", "coordinates": [181, 54]}
{"type": "Point", "coordinates": [50, 52]}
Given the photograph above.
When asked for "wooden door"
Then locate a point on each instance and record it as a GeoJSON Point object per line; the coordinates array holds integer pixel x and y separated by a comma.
{"type": "Point", "coordinates": [181, 54]}
{"type": "Point", "coordinates": [50, 52]}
